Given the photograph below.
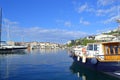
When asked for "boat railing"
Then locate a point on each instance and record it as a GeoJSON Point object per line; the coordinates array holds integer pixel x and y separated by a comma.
{"type": "Point", "coordinates": [108, 58]}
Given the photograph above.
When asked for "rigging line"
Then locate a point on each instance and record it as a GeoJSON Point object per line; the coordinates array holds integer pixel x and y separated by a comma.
{"type": "Point", "coordinates": [0, 24]}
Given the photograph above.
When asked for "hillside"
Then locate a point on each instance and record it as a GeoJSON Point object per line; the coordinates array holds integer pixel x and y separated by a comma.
{"type": "Point", "coordinates": [84, 41]}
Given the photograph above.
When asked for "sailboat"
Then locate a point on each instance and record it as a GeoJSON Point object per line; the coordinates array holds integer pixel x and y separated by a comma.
{"type": "Point", "coordinates": [4, 47]}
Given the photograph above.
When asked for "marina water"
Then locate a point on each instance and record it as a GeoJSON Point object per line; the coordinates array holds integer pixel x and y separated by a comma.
{"type": "Point", "coordinates": [45, 64]}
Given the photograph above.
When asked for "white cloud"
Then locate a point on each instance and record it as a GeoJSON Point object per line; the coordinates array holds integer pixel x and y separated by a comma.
{"type": "Point", "coordinates": [7, 21]}
{"type": "Point", "coordinates": [64, 23]}
{"type": "Point", "coordinates": [112, 19]}
{"type": "Point", "coordinates": [42, 34]}
{"type": "Point", "coordinates": [105, 2]}
{"type": "Point", "coordinates": [109, 11]}
{"type": "Point", "coordinates": [107, 29]}
{"type": "Point", "coordinates": [83, 8]}
{"type": "Point", "coordinates": [84, 22]}
{"type": "Point", "coordinates": [98, 10]}
{"type": "Point", "coordinates": [68, 24]}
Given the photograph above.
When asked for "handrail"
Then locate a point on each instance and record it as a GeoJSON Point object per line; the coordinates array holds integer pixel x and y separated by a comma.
{"type": "Point", "coordinates": [109, 55]}
{"type": "Point", "coordinates": [108, 58]}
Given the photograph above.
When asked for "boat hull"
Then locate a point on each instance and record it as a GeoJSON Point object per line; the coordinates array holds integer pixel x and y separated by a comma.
{"type": "Point", "coordinates": [99, 66]}
{"type": "Point", "coordinates": [11, 49]}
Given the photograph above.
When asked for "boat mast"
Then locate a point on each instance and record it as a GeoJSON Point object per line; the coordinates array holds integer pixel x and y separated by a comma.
{"type": "Point", "coordinates": [0, 24]}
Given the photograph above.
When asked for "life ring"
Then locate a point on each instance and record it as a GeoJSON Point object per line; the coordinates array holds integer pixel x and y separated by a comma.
{"type": "Point", "coordinates": [84, 50]}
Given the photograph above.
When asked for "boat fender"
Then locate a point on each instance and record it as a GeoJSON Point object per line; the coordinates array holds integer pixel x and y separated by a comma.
{"type": "Point", "coordinates": [84, 50]}
{"type": "Point", "coordinates": [94, 61]}
{"type": "Point", "coordinates": [78, 58]}
{"type": "Point", "coordinates": [84, 59]}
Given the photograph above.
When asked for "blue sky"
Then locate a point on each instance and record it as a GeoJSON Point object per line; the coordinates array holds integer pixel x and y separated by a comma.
{"type": "Point", "coordinates": [57, 20]}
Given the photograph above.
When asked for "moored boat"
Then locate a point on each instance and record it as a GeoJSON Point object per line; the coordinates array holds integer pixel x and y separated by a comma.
{"type": "Point", "coordinates": [104, 56]}
{"type": "Point", "coordinates": [4, 47]}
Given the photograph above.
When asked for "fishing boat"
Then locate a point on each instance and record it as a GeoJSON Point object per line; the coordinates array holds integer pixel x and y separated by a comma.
{"type": "Point", "coordinates": [4, 47]}
{"type": "Point", "coordinates": [102, 56]}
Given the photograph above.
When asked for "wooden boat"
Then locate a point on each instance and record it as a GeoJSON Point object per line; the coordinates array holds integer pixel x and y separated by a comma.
{"type": "Point", "coordinates": [104, 56]}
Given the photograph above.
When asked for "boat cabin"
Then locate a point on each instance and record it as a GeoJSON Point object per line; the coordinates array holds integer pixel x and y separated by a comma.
{"type": "Point", "coordinates": [105, 51]}
{"type": "Point", "coordinates": [111, 51]}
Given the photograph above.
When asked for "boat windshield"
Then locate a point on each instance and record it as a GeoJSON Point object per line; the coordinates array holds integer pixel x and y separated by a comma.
{"type": "Point", "coordinates": [93, 47]}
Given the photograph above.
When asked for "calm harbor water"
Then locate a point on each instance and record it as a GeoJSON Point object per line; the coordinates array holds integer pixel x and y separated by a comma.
{"type": "Point", "coordinates": [45, 65]}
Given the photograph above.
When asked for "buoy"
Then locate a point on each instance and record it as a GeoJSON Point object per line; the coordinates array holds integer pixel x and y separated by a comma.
{"type": "Point", "coordinates": [94, 61]}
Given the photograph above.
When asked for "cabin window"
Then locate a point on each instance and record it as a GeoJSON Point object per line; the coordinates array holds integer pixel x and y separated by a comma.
{"type": "Point", "coordinates": [111, 49]}
{"type": "Point", "coordinates": [114, 49]}
{"type": "Point", "coordinates": [95, 47]}
{"type": "Point", "coordinates": [90, 47]}
{"type": "Point", "coordinates": [106, 49]}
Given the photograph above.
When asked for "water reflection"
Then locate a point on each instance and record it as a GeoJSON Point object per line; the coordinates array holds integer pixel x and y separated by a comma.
{"type": "Point", "coordinates": [83, 73]}
{"type": "Point", "coordinates": [4, 71]}
{"type": "Point", "coordinates": [14, 52]}
{"type": "Point", "coordinates": [6, 63]}
{"type": "Point", "coordinates": [14, 65]}
{"type": "Point", "coordinates": [44, 51]}
{"type": "Point", "coordinates": [53, 65]}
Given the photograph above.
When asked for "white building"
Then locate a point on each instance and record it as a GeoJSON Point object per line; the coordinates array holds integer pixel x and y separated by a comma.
{"type": "Point", "coordinates": [42, 45]}
{"type": "Point", "coordinates": [69, 42]}
{"type": "Point", "coordinates": [90, 37]}
{"type": "Point", "coordinates": [12, 43]}
{"type": "Point", "coordinates": [54, 45]}
{"type": "Point", "coordinates": [104, 37]}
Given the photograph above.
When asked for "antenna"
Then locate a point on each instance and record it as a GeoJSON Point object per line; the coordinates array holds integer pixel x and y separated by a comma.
{"type": "Point", "coordinates": [0, 24]}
